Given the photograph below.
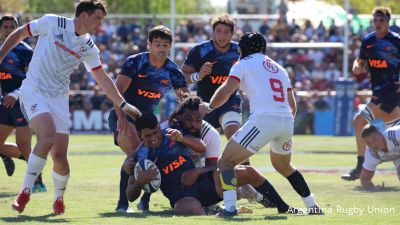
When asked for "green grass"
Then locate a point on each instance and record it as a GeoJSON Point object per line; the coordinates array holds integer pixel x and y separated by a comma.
{"type": "Point", "coordinates": [93, 189]}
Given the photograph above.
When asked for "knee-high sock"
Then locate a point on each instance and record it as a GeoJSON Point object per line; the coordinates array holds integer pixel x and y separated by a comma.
{"type": "Point", "coordinates": [60, 184]}
{"type": "Point", "coordinates": [269, 191]}
{"type": "Point", "coordinates": [34, 168]}
{"type": "Point", "coordinates": [123, 184]}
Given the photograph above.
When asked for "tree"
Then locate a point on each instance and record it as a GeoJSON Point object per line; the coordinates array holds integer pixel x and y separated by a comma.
{"type": "Point", "coordinates": [366, 6]}
{"type": "Point", "coordinates": [14, 6]}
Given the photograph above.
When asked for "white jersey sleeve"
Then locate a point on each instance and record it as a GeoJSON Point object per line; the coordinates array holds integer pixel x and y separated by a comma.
{"type": "Point", "coordinates": [42, 25]}
{"type": "Point", "coordinates": [210, 136]}
{"type": "Point", "coordinates": [93, 60]}
{"type": "Point", "coordinates": [371, 161]}
{"type": "Point", "coordinates": [236, 71]}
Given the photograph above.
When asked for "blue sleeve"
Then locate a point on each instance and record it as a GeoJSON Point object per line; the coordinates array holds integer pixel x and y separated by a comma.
{"type": "Point", "coordinates": [130, 67]}
{"type": "Point", "coordinates": [177, 78]}
{"type": "Point", "coordinates": [25, 55]}
{"type": "Point", "coordinates": [141, 153]}
{"type": "Point", "coordinates": [193, 59]}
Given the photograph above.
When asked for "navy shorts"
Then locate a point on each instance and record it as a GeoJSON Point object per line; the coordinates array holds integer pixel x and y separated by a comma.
{"type": "Point", "coordinates": [233, 104]}
{"type": "Point", "coordinates": [387, 98]}
{"type": "Point", "coordinates": [112, 122]}
{"type": "Point", "coordinates": [12, 117]}
{"type": "Point", "coordinates": [203, 190]}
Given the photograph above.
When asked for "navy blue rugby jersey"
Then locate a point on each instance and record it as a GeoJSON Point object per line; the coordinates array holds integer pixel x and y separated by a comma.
{"type": "Point", "coordinates": [383, 60]}
{"type": "Point", "coordinates": [150, 84]}
{"type": "Point", "coordinates": [172, 159]}
{"type": "Point", "coordinates": [12, 69]}
{"type": "Point", "coordinates": [222, 63]}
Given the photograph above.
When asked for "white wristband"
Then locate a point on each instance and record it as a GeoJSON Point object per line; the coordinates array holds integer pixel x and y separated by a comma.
{"type": "Point", "coordinates": [14, 94]}
{"type": "Point", "coordinates": [195, 77]}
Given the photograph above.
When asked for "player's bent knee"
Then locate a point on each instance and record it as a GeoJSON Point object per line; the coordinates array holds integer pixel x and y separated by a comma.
{"type": "Point", "coordinates": [228, 179]}
{"type": "Point", "coordinates": [188, 206]}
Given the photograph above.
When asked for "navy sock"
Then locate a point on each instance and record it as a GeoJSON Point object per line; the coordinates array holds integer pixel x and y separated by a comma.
{"type": "Point", "coordinates": [145, 197]}
{"type": "Point", "coordinates": [123, 184]}
{"type": "Point", "coordinates": [360, 161]}
{"type": "Point", "coordinates": [270, 193]}
{"type": "Point", "coordinates": [299, 184]}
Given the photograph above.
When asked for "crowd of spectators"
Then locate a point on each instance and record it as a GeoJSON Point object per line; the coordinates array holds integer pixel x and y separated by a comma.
{"type": "Point", "coordinates": [313, 71]}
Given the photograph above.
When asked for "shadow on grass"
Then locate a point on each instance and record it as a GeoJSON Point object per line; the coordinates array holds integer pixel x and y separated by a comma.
{"type": "Point", "coordinates": [139, 214]}
{"type": "Point", "coordinates": [385, 189]}
{"type": "Point", "coordinates": [7, 194]}
{"type": "Point", "coordinates": [170, 213]}
{"type": "Point", "coordinates": [43, 219]}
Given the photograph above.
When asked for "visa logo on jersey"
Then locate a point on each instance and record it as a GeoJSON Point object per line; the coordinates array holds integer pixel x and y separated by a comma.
{"type": "Point", "coordinates": [149, 94]}
{"type": "Point", "coordinates": [5, 76]}
{"type": "Point", "coordinates": [377, 63]}
{"type": "Point", "coordinates": [174, 165]}
{"type": "Point", "coordinates": [218, 79]}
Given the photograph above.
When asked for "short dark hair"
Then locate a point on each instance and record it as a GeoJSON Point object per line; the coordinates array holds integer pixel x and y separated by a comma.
{"type": "Point", "coordinates": [368, 129]}
{"type": "Point", "coordinates": [251, 43]}
{"type": "Point", "coordinates": [189, 101]}
{"type": "Point", "coordinates": [147, 120]}
{"type": "Point", "coordinates": [160, 31]}
{"type": "Point", "coordinates": [8, 18]}
{"type": "Point", "coordinates": [223, 19]}
{"type": "Point", "coordinates": [90, 6]}
{"type": "Point", "coordinates": [382, 11]}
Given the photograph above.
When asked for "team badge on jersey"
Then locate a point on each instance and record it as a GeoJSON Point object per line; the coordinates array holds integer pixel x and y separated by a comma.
{"type": "Point", "coordinates": [33, 107]}
{"type": "Point", "coordinates": [269, 66]}
{"type": "Point", "coordinates": [287, 145]}
{"type": "Point", "coordinates": [82, 49]}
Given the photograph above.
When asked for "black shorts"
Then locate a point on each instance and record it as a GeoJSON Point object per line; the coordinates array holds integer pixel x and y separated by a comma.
{"type": "Point", "coordinates": [112, 122]}
{"type": "Point", "coordinates": [12, 116]}
{"type": "Point", "coordinates": [233, 104]}
{"type": "Point", "coordinates": [203, 190]}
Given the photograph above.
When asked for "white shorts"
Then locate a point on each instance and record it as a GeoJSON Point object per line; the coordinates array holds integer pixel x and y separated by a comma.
{"type": "Point", "coordinates": [264, 128]}
{"type": "Point", "coordinates": [33, 104]}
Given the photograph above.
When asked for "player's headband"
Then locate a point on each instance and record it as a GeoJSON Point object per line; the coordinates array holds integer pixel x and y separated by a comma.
{"type": "Point", "coordinates": [381, 14]}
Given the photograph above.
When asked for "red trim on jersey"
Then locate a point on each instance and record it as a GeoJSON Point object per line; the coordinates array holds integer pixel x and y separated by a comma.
{"type": "Point", "coordinates": [212, 158]}
{"type": "Point", "coordinates": [28, 26]}
{"type": "Point", "coordinates": [96, 68]}
{"type": "Point", "coordinates": [235, 77]}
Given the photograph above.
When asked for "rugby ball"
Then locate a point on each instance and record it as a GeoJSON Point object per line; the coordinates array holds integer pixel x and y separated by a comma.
{"type": "Point", "coordinates": [145, 164]}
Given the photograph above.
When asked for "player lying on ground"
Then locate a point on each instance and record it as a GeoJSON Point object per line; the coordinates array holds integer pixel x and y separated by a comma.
{"type": "Point", "coordinates": [381, 147]}
{"type": "Point", "coordinates": [206, 191]}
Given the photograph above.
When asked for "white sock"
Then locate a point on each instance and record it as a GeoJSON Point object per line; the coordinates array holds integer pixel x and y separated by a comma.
{"type": "Point", "coordinates": [34, 168]}
{"type": "Point", "coordinates": [60, 184]}
{"type": "Point", "coordinates": [309, 201]}
{"type": "Point", "coordinates": [230, 200]}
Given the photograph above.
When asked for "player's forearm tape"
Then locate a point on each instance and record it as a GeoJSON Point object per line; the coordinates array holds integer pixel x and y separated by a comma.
{"type": "Point", "coordinates": [123, 104]}
{"type": "Point", "coordinates": [195, 77]}
{"type": "Point", "coordinates": [14, 94]}
{"type": "Point", "coordinates": [228, 180]}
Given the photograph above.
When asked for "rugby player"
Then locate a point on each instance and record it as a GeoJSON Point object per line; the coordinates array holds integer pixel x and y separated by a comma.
{"type": "Point", "coordinates": [62, 45]}
{"type": "Point", "coordinates": [381, 147]}
{"type": "Point", "coordinates": [12, 72]}
{"type": "Point", "coordinates": [144, 79]}
{"type": "Point", "coordinates": [272, 108]}
{"type": "Point", "coordinates": [379, 54]}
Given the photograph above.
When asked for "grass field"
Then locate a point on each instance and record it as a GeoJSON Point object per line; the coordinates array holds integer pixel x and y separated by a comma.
{"type": "Point", "coordinates": [93, 189]}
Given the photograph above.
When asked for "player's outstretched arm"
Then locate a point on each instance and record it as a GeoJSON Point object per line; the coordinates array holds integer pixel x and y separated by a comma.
{"type": "Point", "coordinates": [221, 95]}
{"type": "Point", "coordinates": [366, 180]}
{"type": "Point", "coordinates": [292, 102]}
{"type": "Point", "coordinates": [109, 87]}
{"type": "Point", "coordinates": [12, 40]}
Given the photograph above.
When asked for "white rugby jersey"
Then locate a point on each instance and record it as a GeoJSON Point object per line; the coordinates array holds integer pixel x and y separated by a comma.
{"type": "Point", "coordinates": [58, 51]}
{"type": "Point", "coordinates": [372, 159]}
{"type": "Point", "coordinates": [265, 82]}
{"type": "Point", "coordinates": [210, 136]}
